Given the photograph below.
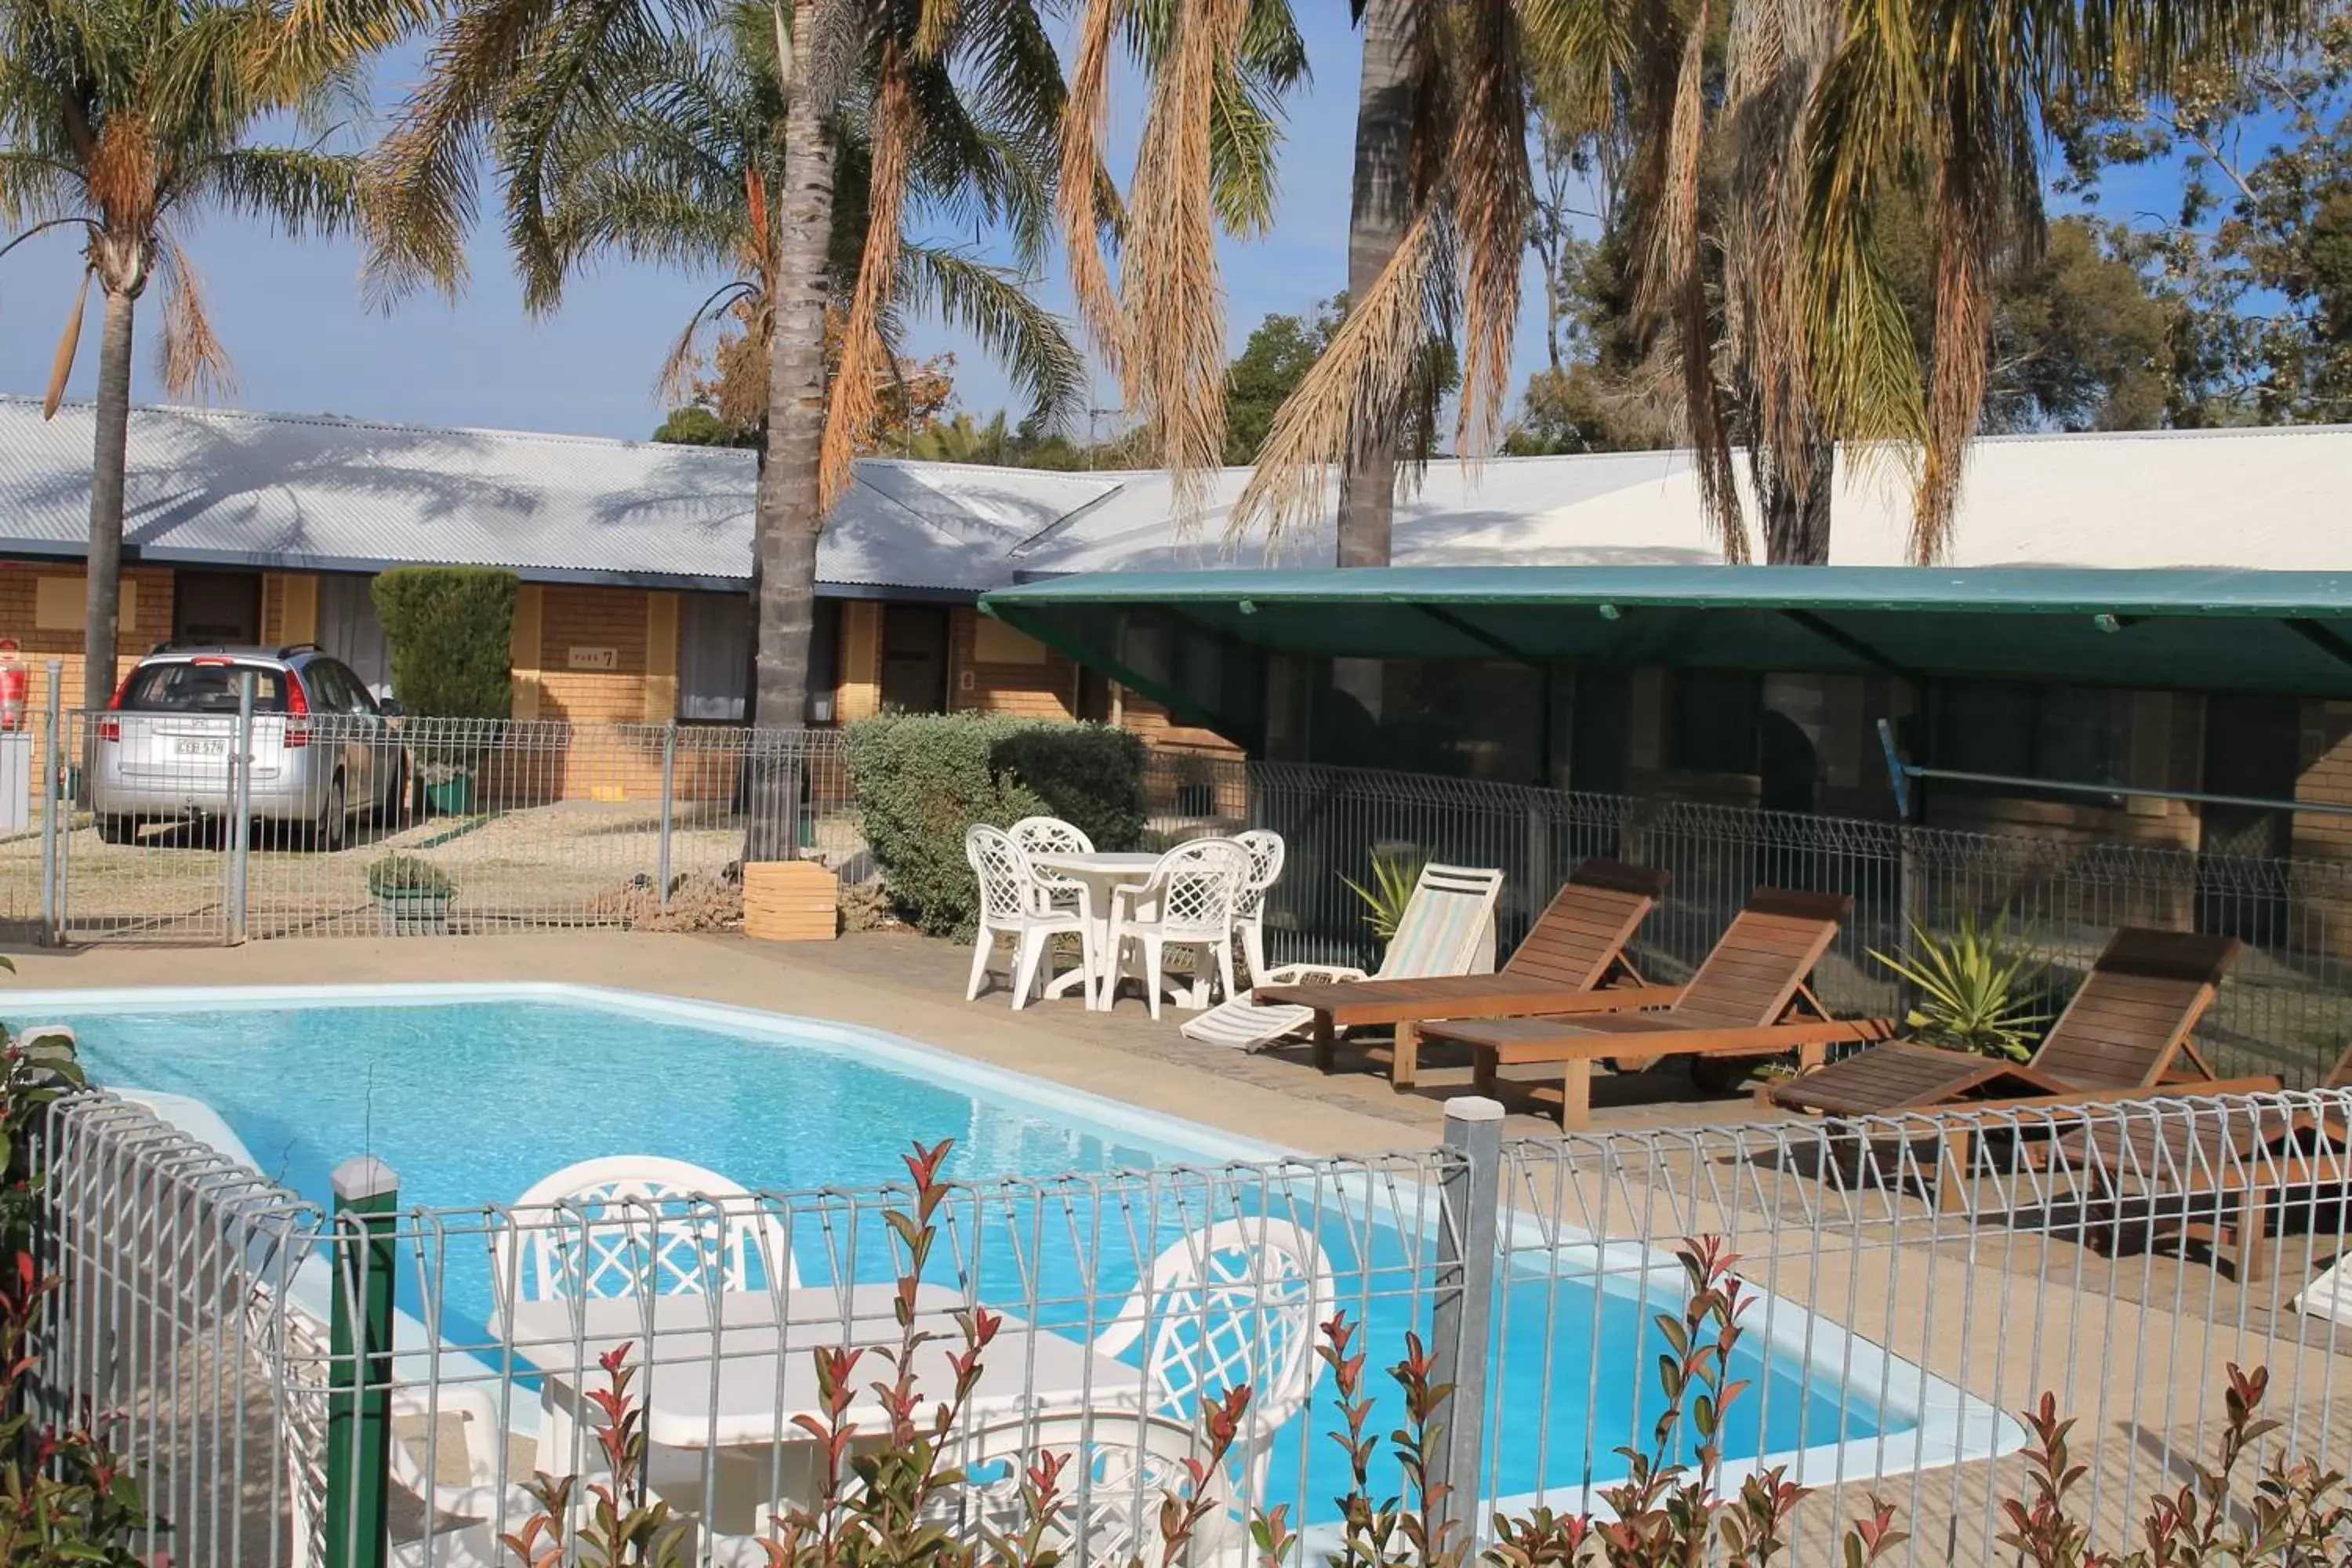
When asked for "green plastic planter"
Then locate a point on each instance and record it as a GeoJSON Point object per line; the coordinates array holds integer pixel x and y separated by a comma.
{"type": "Point", "coordinates": [452, 796]}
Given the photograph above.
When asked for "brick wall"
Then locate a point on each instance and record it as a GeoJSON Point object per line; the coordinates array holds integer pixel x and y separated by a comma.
{"type": "Point", "coordinates": [991, 668]}
{"type": "Point", "coordinates": [19, 590]}
{"type": "Point", "coordinates": [575, 617]}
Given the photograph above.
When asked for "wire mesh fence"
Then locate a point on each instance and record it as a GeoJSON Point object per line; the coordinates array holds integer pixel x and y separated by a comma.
{"type": "Point", "coordinates": [352, 825]}
{"type": "Point", "coordinates": [355, 826]}
{"type": "Point", "coordinates": [1892, 1297]}
{"type": "Point", "coordinates": [2286, 1007]}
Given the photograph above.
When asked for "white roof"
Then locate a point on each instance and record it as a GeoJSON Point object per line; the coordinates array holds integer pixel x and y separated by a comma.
{"type": "Point", "coordinates": [326, 493]}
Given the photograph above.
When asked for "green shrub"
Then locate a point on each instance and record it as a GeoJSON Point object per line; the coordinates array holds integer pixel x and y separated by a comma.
{"type": "Point", "coordinates": [923, 779]}
{"type": "Point", "coordinates": [408, 874]}
{"type": "Point", "coordinates": [451, 630]}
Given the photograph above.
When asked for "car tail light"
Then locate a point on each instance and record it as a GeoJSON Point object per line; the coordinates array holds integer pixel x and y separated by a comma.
{"type": "Point", "coordinates": [112, 728]}
{"type": "Point", "coordinates": [297, 712]}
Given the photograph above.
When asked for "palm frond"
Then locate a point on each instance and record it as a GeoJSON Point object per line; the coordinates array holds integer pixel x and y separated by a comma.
{"type": "Point", "coordinates": [1490, 190]}
{"type": "Point", "coordinates": [864, 356]}
{"type": "Point", "coordinates": [296, 190]}
{"type": "Point", "coordinates": [1078, 193]}
{"type": "Point", "coordinates": [993, 307]}
{"type": "Point", "coordinates": [69, 345]}
{"type": "Point", "coordinates": [190, 356]}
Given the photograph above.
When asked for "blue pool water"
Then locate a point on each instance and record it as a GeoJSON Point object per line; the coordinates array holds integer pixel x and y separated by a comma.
{"type": "Point", "coordinates": [470, 1102]}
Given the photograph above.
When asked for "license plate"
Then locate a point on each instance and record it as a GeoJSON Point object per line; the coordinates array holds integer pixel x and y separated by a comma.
{"type": "Point", "coordinates": [201, 748]}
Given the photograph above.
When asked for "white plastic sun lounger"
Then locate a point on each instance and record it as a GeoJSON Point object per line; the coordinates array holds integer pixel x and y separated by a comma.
{"type": "Point", "coordinates": [1447, 928]}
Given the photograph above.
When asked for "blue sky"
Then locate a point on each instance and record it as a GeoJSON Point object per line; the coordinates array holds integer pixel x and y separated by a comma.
{"type": "Point", "coordinates": [302, 342]}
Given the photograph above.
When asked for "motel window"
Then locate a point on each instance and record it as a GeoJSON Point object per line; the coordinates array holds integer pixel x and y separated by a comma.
{"type": "Point", "coordinates": [1464, 719]}
{"type": "Point", "coordinates": [714, 657]}
{"type": "Point", "coordinates": [2080, 734]}
{"type": "Point", "coordinates": [1711, 720]}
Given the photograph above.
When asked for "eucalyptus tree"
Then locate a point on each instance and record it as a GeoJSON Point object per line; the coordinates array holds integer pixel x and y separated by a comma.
{"type": "Point", "coordinates": [121, 122]}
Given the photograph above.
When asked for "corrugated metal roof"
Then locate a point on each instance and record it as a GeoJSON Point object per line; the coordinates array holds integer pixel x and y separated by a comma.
{"type": "Point", "coordinates": [326, 493]}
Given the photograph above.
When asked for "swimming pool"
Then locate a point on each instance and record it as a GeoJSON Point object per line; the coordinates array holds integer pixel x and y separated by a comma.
{"type": "Point", "coordinates": [472, 1093]}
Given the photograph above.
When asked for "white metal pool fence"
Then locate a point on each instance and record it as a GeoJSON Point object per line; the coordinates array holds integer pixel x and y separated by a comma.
{"type": "Point", "coordinates": [553, 824]}
{"type": "Point", "coordinates": [293, 1386]}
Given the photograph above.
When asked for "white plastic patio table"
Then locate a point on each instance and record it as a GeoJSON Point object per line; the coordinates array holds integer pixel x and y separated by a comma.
{"type": "Point", "coordinates": [1102, 872]}
{"type": "Point", "coordinates": [736, 1393]}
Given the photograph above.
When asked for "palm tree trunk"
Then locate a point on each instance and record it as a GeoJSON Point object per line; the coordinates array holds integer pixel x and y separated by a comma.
{"type": "Point", "coordinates": [1797, 516]}
{"type": "Point", "coordinates": [108, 457]}
{"type": "Point", "coordinates": [789, 519]}
{"type": "Point", "coordinates": [1379, 208]}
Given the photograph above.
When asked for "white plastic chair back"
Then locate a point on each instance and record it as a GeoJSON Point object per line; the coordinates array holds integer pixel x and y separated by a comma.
{"type": "Point", "coordinates": [1448, 926]}
{"type": "Point", "coordinates": [637, 1224]}
{"type": "Point", "coordinates": [1194, 887]}
{"type": "Point", "coordinates": [1236, 1302]}
{"type": "Point", "coordinates": [1009, 887]}
{"type": "Point", "coordinates": [1266, 852]}
{"type": "Point", "coordinates": [1050, 835]}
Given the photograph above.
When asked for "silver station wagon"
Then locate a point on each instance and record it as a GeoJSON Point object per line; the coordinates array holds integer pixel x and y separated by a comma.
{"type": "Point", "coordinates": [322, 749]}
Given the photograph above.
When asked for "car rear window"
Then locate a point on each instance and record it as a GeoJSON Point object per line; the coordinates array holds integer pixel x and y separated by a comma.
{"type": "Point", "coordinates": [207, 688]}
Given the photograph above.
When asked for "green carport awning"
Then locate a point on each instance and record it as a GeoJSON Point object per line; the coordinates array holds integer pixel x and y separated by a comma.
{"type": "Point", "coordinates": [1197, 640]}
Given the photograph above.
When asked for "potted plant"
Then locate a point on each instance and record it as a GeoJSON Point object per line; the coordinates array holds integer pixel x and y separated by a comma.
{"type": "Point", "coordinates": [411, 893]}
{"type": "Point", "coordinates": [451, 632]}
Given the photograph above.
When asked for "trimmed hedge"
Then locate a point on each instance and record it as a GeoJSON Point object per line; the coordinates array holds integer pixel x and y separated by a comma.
{"type": "Point", "coordinates": [923, 779]}
{"type": "Point", "coordinates": [451, 630]}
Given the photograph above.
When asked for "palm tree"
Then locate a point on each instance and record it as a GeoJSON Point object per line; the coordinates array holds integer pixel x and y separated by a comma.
{"type": "Point", "coordinates": [1825, 111]}
{"type": "Point", "coordinates": [675, 164]}
{"type": "Point", "coordinates": [530, 66]}
{"type": "Point", "coordinates": [122, 122]}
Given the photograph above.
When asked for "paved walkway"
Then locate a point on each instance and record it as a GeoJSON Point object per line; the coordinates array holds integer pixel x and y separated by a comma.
{"type": "Point", "coordinates": [910, 985]}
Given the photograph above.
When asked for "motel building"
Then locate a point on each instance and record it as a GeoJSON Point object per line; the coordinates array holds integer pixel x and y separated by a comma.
{"type": "Point", "coordinates": [634, 560]}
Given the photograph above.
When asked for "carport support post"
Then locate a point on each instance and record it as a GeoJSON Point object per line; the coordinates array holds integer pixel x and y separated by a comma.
{"type": "Point", "coordinates": [1462, 1321]}
{"type": "Point", "coordinates": [359, 1364]}
{"type": "Point", "coordinates": [240, 807]}
{"type": "Point", "coordinates": [53, 781]}
{"type": "Point", "coordinates": [670, 793]}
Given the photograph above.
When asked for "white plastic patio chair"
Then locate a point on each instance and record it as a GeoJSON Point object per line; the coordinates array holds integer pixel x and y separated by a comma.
{"type": "Point", "coordinates": [1447, 927]}
{"type": "Point", "coordinates": [1050, 835]}
{"type": "Point", "coordinates": [1238, 1301]}
{"type": "Point", "coordinates": [631, 1225]}
{"type": "Point", "coordinates": [1016, 905]}
{"type": "Point", "coordinates": [1266, 852]}
{"type": "Point", "coordinates": [1187, 902]}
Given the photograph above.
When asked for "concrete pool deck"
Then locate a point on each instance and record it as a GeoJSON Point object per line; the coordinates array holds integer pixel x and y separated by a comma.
{"type": "Point", "coordinates": [910, 985]}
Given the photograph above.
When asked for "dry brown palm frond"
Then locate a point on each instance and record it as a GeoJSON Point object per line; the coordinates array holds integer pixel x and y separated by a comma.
{"type": "Point", "coordinates": [1173, 369]}
{"type": "Point", "coordinates": [120, 175]}
{"type": "Point", "coordinates": [1965, 222]}
{"type": "Point", "coordinates": [1085, 118]}
{"type": "Point", "coordinates": [1363, 374]}
{"type": "Point", "coordinates": [866, 358]}
{"type": "Point", "coordinates": [193, 361]}
{"type": "Point", "coordinates": [61, 367]}
{"type": "Point", "coordinates": [1489, 192]}
{"type": "Point", "coordinates": [933, 26]}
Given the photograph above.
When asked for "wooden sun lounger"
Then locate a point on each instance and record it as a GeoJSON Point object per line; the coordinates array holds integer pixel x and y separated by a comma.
{"type": "Point", "coordinates": [1748, 999]}
{"type": "Point", "coordinates": [2248, 1153]}
{"type": "Point", "coordinates": [1576, 944]}
{"type": "Point", "coordinates": [2125, 1029]}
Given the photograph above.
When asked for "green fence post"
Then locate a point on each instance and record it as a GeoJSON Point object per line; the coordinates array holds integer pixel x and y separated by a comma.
{"type": "Point", "coordinates": [359, 1381]}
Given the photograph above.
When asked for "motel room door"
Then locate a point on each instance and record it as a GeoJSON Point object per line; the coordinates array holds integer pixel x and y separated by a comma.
{"type": "Point", "coordinates": [914, 658]}
{"type": "Point", "coordinates": [216, 607]}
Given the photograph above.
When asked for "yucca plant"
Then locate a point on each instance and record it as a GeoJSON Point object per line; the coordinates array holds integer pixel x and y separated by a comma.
{"type": "Point", "coordinates": [1977, 988]}
{"type": "Point", "coordinates": [1394, 876]}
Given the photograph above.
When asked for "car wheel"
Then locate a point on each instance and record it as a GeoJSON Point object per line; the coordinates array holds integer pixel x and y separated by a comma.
{"type": "Point", "coordinates": [118, 829]}
{"type": "Point", "coordinates": [328, 833]}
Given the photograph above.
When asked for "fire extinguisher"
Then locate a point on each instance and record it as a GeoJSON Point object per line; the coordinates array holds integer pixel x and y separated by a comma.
{"type": "Point", "coordinates": [15, 682]}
